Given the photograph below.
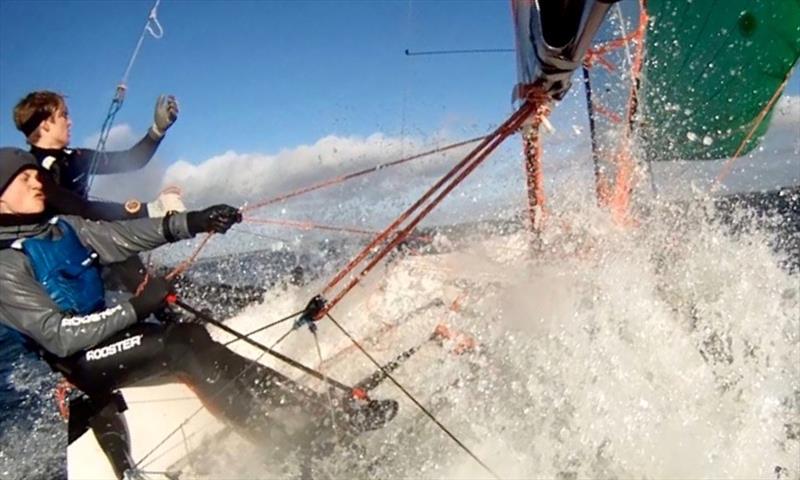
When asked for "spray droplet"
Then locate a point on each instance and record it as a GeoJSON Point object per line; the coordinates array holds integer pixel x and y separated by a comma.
{"type": "Point", "coordinates": [691, 136]}
{"type": "Point", "coordinates": [707, 140]}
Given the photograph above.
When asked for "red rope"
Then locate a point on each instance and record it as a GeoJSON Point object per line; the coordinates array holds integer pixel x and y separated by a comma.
{"type": "Point", "coordinates": [61, 393]}
{"type": "Point", "coordinates": [455, 176]}
{"type": "Point", "coordinates": [189, 261]}
{"type": "Point", "coordinates": [349, 176]}
{"type": "Point", "coordinates": [325, 183]}
{"type": "Point", "coordinates": [309, 225]}
{"type": "Point", "coordinates": [602, 110]}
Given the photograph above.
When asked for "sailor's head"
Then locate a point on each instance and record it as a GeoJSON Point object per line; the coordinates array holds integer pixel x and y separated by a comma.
{"type": "Point", "coordinates": [20, 188]}
{"type": "Point", "coordinates": [43, 118]}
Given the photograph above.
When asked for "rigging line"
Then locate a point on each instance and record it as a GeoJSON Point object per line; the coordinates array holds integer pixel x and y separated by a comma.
{"type": "Point", "coordinates": [183, 266]}
{"type": "Point", "coordinates": [119, 95]}
{"type": "Point", "coordinates": [342, 178]}
{"type": "Point", "coordinates": [229, 383]}
{"type": "Point", "coordinates": [327, 390]}
{"type": "Point", "coordinates": [635, 36]}
{"type": "Point", "coordinates": [639, 37]}
{"type": "Point", "coordinates": [726, 168]}
{"type": "Point", "coordinates": [466, 166]}
{"type": "Point", "coordinates": [289, 361]}
{"type": "Point", "coordinates": [413, 399]}
{"type": "Point", "coordinates": [406, 83]}
{"type": "Point", "coordinates": [399, 236]}
{"type": "Point", "coordinates": [282, 337]}
{"type": "Point", "coordinates": [186, 445]}
{"type": "Point", "coordinates": [308, 225]}
{"type": "Point", "coordinates": [265, 327]}
{"type": "Point", "coordinates": [380, 238]}
{"type": "Point", "coordinates": [598, 174]}
{"type": "Point", "coordinates": [410, 53]}
{"type": "Point", "coordinates": [188, 262]}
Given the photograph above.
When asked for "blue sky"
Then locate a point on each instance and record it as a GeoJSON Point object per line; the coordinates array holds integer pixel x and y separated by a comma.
{"type": "Point", "coordinates": [262, 75]}
{"type": "Point", "coordinates": [290, 91]}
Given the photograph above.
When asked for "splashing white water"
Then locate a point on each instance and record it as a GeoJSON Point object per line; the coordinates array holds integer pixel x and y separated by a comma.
{"type": "Point", "coordinates": [669, 350]}
{"type": "Point", "coordinates": [666, 350]}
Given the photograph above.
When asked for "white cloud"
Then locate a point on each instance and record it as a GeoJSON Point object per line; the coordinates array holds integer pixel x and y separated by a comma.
{"type": "Point", "coordinates": [143, 184]}
{"type": "Point", "coordinates": [119, 137]}
{"type": "Point", "coordinates": [237, 178]}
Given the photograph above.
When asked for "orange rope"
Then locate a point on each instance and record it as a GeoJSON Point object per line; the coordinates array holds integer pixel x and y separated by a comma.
{"type": "Point", "coordinates": [613, 116]}
{"type": "Point", "coordinates": [727, 167]}
{"type": "Point", "coordinates": [593, 57]}
{"type": "Point", "coordinates": [308, 225]}
{"type": "Point", "coordinates": [325, 183]}
{"type": "Point", "coordinates": [395, 233]}
{"type": "Point", "coordinates": [598, 52]}
{"type": "Point", "coordinates": [61, 393]}
{"type": "Point", "coordinates": [532, 146]}
{"type": "Point", "coordinates": [189, 261]}
{"type": "Point", "coordinates": [619, 199]}
{"type": "Point", "coordinates": [342, 178]}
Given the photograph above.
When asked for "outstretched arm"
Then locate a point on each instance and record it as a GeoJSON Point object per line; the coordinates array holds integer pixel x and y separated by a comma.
{"type": "Point", "coordinates": [166, 112]}
{"type": "Point", "coordinates": [116, 241]}
{"type": "Point", "coordinates": [121, 161]}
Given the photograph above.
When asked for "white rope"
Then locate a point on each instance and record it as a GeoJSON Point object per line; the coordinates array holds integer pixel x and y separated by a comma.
{"type": "Point", "coordinates": [119, 95]}
{"type": "Point", "coordinates": [152, 18]}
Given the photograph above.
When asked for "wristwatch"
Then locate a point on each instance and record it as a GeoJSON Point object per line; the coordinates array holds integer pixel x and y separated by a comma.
{"type": "Point", "coordinates": [133, 206]}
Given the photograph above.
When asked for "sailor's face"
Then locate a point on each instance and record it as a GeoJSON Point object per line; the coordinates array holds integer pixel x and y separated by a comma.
{"type": "Point", "coordinates": [58, 127]}
{"type": "Point", "coordinates": [24, 194]}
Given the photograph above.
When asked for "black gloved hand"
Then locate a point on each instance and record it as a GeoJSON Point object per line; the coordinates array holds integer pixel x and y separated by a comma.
{"type": "Point", "coordinates": [152, 298]}
{"type": "Point", "coordinates": [216, 219]}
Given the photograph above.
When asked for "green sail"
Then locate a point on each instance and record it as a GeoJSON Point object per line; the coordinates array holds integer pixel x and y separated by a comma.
{"type": "Point", "coordinates": [711, 66]}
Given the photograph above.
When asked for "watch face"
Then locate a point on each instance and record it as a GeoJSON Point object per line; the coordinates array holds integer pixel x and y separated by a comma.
{"type": "Point", "coordinates": [133, 206]}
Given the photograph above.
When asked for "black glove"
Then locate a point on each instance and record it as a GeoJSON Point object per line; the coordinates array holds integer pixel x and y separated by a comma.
{"type": "Point", "coordinates": [216, 219]}
{"type": "Point", "coordinates": [152, 298]}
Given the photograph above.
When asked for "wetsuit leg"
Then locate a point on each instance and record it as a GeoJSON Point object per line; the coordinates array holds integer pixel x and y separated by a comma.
{"type": "Point", "coordinates": [241, 391]}
{"type": "Point", "coordinates": [111, 431]}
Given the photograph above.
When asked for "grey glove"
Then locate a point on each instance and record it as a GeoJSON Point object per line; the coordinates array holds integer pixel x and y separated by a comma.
{"type": "Point", "coordinates": [165, 115]}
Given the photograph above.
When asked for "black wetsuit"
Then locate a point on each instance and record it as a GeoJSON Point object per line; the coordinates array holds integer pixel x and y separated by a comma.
{"type": "Point", "coordinates": [241, 391]}
{"type": "Point", "coordinates": [66, 192]}
{"type": "Point", "coordinates": [72, 168]}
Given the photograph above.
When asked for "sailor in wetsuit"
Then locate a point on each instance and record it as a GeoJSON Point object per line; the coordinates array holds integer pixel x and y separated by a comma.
{"type": "Point", "coordinates": [43, 117]}
{"type": "Point", "coordinates": [52, 297]}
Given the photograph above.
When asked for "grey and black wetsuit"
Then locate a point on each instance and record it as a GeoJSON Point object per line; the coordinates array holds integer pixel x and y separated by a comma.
{"type": "Point", "coordinates": [100, 348]}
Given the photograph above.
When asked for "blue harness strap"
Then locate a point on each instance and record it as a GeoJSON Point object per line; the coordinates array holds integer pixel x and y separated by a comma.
{"type": "Point", "coordinates": [67, 270]}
